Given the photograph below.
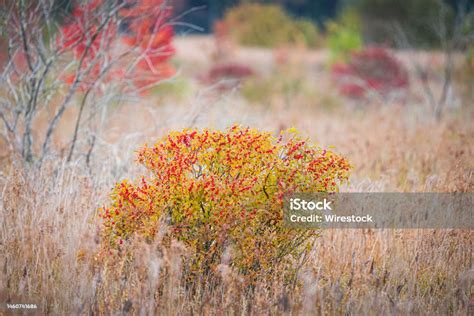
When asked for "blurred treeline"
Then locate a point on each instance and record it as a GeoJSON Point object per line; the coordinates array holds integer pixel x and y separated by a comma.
{"type": "Point", "coordinates": [212, 10]}
{"type": "Point", "coordinates": [419, 23]}
{"type": "Point", "coordinates": [417, 18]}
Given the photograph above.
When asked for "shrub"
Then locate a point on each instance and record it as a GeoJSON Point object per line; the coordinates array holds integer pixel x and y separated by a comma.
{"type": "Point", "coordinates": [373, 69]}
{"type": "Point", "coordinates": [344, 36]}
{"type": "Point", "coordinates": [220, 190]}
{"type": "Point", "coordinates": [227, 74]}
{"type": "Point", "coordinates": [305, 33]}
{"type": "Point", "coordinates": [267, 26]}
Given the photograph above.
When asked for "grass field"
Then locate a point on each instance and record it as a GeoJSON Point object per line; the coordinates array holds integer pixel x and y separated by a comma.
{"type": "Point", "coordinates": [50, 233]}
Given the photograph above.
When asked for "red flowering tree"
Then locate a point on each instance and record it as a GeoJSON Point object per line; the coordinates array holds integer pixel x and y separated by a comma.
{"type": "Point", "coordinates": [150, 33]}
{"type": "Point", "coordinates": [371, 70]}
{"type": "Point", "coordinates": [101, 49]}
{"type": "Point", "coordinates": [88, 35]}
{"type": "Point", "coordinates": [140, 36]}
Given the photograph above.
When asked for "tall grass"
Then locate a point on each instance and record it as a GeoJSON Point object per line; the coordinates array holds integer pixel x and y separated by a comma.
{"type": "Point", "coordinates": [50, 238]}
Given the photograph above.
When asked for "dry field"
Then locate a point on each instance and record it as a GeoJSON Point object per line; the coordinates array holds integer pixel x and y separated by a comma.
{"type": "Point", "coordinates": [49, 230]}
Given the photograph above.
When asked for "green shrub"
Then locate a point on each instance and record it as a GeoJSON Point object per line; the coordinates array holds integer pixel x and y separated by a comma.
{"type": "Point", "coordinates": [305, 33]}
{"type": "Point", "coordinates": [344, 36]}
{"type": "Point", "coordinates": [268, 26]}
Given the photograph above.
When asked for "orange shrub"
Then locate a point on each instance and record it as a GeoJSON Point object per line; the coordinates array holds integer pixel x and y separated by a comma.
{"type": "Point", "coordinates": [223, 190]}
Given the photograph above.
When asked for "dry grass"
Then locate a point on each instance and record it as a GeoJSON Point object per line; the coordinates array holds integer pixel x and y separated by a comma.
{"type": "Point", "coordinates": [50, 240]}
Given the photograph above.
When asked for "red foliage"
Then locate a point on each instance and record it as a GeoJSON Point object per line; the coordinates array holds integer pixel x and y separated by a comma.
{"type": "Point", "coordinates": [373, 69]}
{"type": "Point", "coordinates": [146, 41]}
{"type": "Point", "coordinates": [150, 33]}
{"type": "Point", "coordinates": [83, 36]}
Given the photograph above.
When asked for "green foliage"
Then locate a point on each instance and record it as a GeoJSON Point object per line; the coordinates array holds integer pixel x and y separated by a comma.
{"type": "Point", "coordinates": [306, 33]}
{"type": "Point", "coordinates": [268, 26]}
{"type": "Point", "coordinates": [344, 36]}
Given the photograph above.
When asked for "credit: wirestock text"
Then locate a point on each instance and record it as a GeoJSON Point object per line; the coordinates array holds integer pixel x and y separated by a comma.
{"type": "Point", "coordinates": [298, 204]}
{"type": "Point", "coordinates": [379, 210]}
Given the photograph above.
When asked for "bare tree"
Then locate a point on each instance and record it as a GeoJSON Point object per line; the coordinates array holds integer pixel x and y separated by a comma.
{"type": "Point", "coordinates": [101, 51]}
{"type": "Point", "coordinates": [453, 37]}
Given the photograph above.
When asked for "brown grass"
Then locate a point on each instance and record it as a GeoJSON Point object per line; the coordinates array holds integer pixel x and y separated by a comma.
{"type": "Point", "coordinates": [50, 241]}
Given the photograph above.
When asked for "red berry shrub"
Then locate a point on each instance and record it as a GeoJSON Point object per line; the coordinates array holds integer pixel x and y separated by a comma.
{"type": "Point", "coordinates": [220, 190]}
{"type": "Point", "coordinates": [371, 70]}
